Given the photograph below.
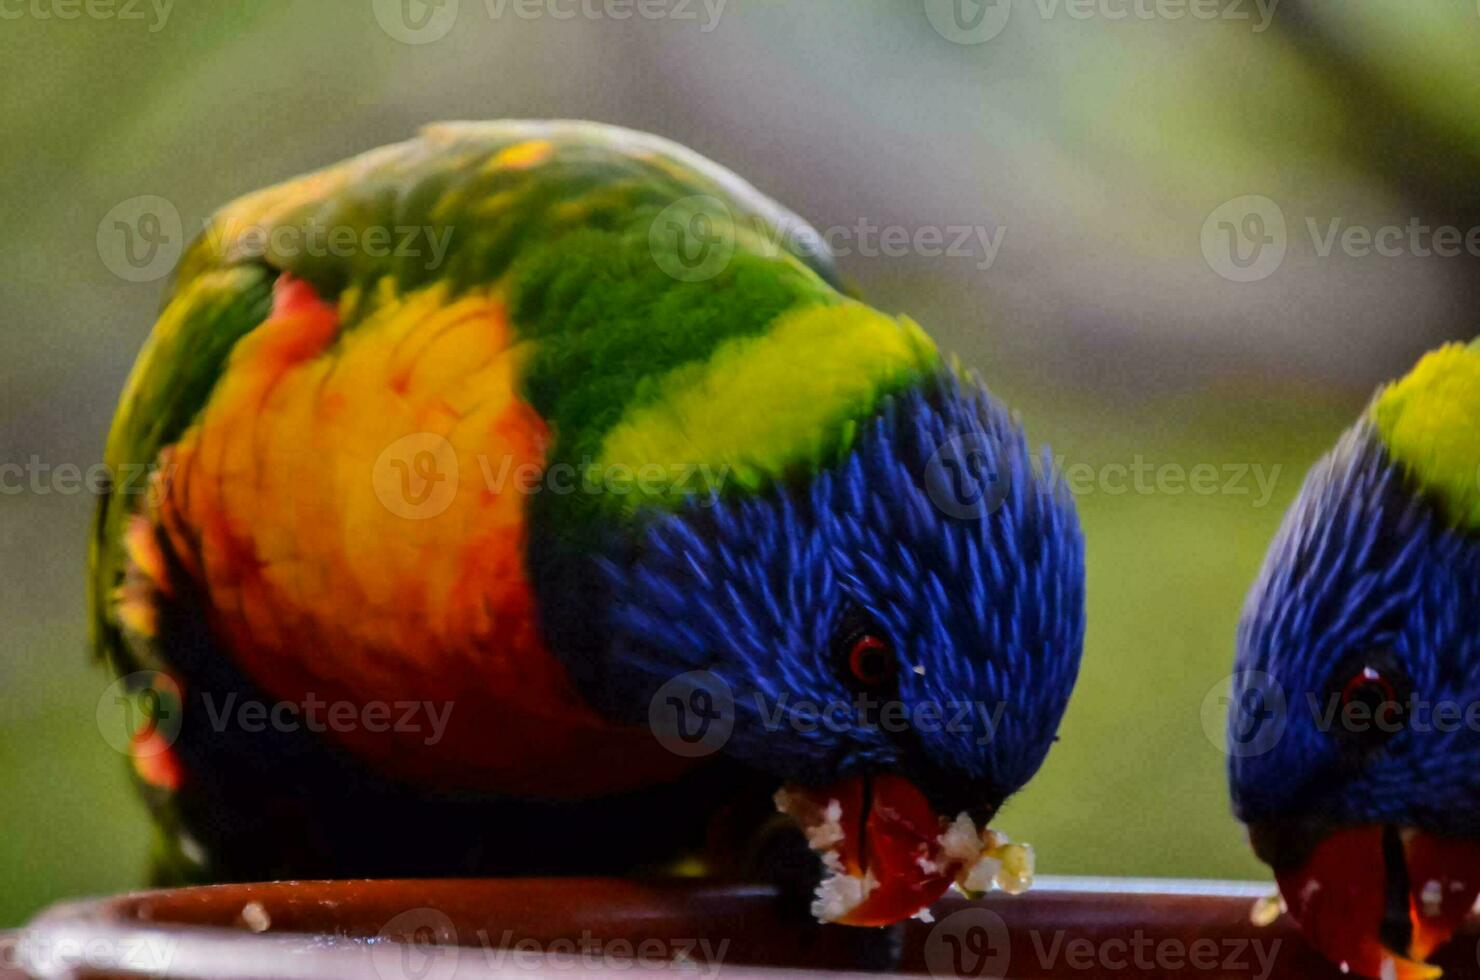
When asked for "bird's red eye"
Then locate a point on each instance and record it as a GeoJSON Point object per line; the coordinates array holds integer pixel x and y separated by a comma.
{"type": "Point", "coordinates": [870, 660]}
{"type": "Point", "coordinates": [1371, 704]}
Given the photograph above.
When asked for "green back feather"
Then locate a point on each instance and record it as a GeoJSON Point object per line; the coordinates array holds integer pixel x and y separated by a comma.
{"type": "Point", "coordinates": [588, 230]}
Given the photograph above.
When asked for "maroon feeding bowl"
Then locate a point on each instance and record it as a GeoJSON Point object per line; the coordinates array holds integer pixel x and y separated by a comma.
{"type": "Point", "coordinates": [474, 929]}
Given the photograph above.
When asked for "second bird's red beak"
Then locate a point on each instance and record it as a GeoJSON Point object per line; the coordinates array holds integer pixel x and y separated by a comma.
{"type": "Point", "coordinates": [1375, 895]}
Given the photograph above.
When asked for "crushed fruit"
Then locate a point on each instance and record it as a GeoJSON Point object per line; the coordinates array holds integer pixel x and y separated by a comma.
{"type": "Point", "coordinates": [893, 861]}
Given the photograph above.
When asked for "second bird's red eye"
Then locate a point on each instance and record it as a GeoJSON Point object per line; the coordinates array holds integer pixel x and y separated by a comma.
{"type": "Point", "coordinates": [1378, 697]}
{"type": "Point", "coordinates": [870, 660]}
{"type": "Point", "coordinates": [1368, 686]}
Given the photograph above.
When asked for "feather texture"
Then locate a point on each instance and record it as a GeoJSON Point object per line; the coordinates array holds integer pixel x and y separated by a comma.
{"type": "Point", "coordinates": [530, 468]}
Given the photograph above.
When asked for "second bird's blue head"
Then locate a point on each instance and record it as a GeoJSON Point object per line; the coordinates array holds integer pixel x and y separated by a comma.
{"type": "Point", "coordinates": [1354, 729]}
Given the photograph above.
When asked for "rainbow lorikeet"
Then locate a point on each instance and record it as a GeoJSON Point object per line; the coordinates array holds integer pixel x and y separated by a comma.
{"type": "Point", "coordinates": [1353, 731]}
{"type": "Point", "coordinates": [503, 442]}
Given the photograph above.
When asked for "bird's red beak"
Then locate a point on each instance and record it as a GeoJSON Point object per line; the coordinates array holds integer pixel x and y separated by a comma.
{"type": "Point", "coordinates": [887, 852]}
{"type": "Point", "coordinates": [1377, 901]}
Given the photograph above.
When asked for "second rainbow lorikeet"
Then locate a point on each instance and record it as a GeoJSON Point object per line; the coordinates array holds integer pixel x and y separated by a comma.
{"type": "Point", "coordinates": [1355, 721]}
{"type": "Point", "coordinates": [611, 440]}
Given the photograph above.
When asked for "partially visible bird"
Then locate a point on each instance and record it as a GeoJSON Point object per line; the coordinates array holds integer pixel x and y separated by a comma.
{"type": "Point", "coordinates": [1354, 731]}
{"type": "Point", "coordinates": [530, 432]}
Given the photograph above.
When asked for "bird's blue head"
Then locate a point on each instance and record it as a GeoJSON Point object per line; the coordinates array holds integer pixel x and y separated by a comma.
{"type": "Point", "coordinates": [1368, 605]}
{"type": "Point", "coordinates": [1354, 724]}
{"type": "Point", "coordinates": [898, 631]}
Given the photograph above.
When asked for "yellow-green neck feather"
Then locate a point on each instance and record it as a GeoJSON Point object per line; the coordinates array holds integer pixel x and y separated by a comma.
{"type": "Point", "coordinates": [1430, 424]}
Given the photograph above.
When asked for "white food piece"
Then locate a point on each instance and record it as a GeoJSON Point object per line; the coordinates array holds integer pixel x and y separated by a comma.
{"type": "Point", "coordinates": [839, 893]}
{"type": "Point", "coordinates": [962, 842]}
{"type": "Point", "coordinates": [828, 833]}
{"type": "Point", "coordinates": [981, 876]}
{"type": "Point", "coordinates": [987, 858]}
{"type": "Point", "coordinates": [1432, 899]}
{"type": "Point", "coordinates": [256, 917]}
{"type": "Point", "coordinates": [823, 826]}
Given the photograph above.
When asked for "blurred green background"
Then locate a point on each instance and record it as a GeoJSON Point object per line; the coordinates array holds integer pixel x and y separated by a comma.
{"type": "Point", "coordinates": [1099, 145]}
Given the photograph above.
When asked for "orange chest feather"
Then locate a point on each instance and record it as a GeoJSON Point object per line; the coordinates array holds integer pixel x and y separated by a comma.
{"type": "Point", "coordinates": [337, 502]}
